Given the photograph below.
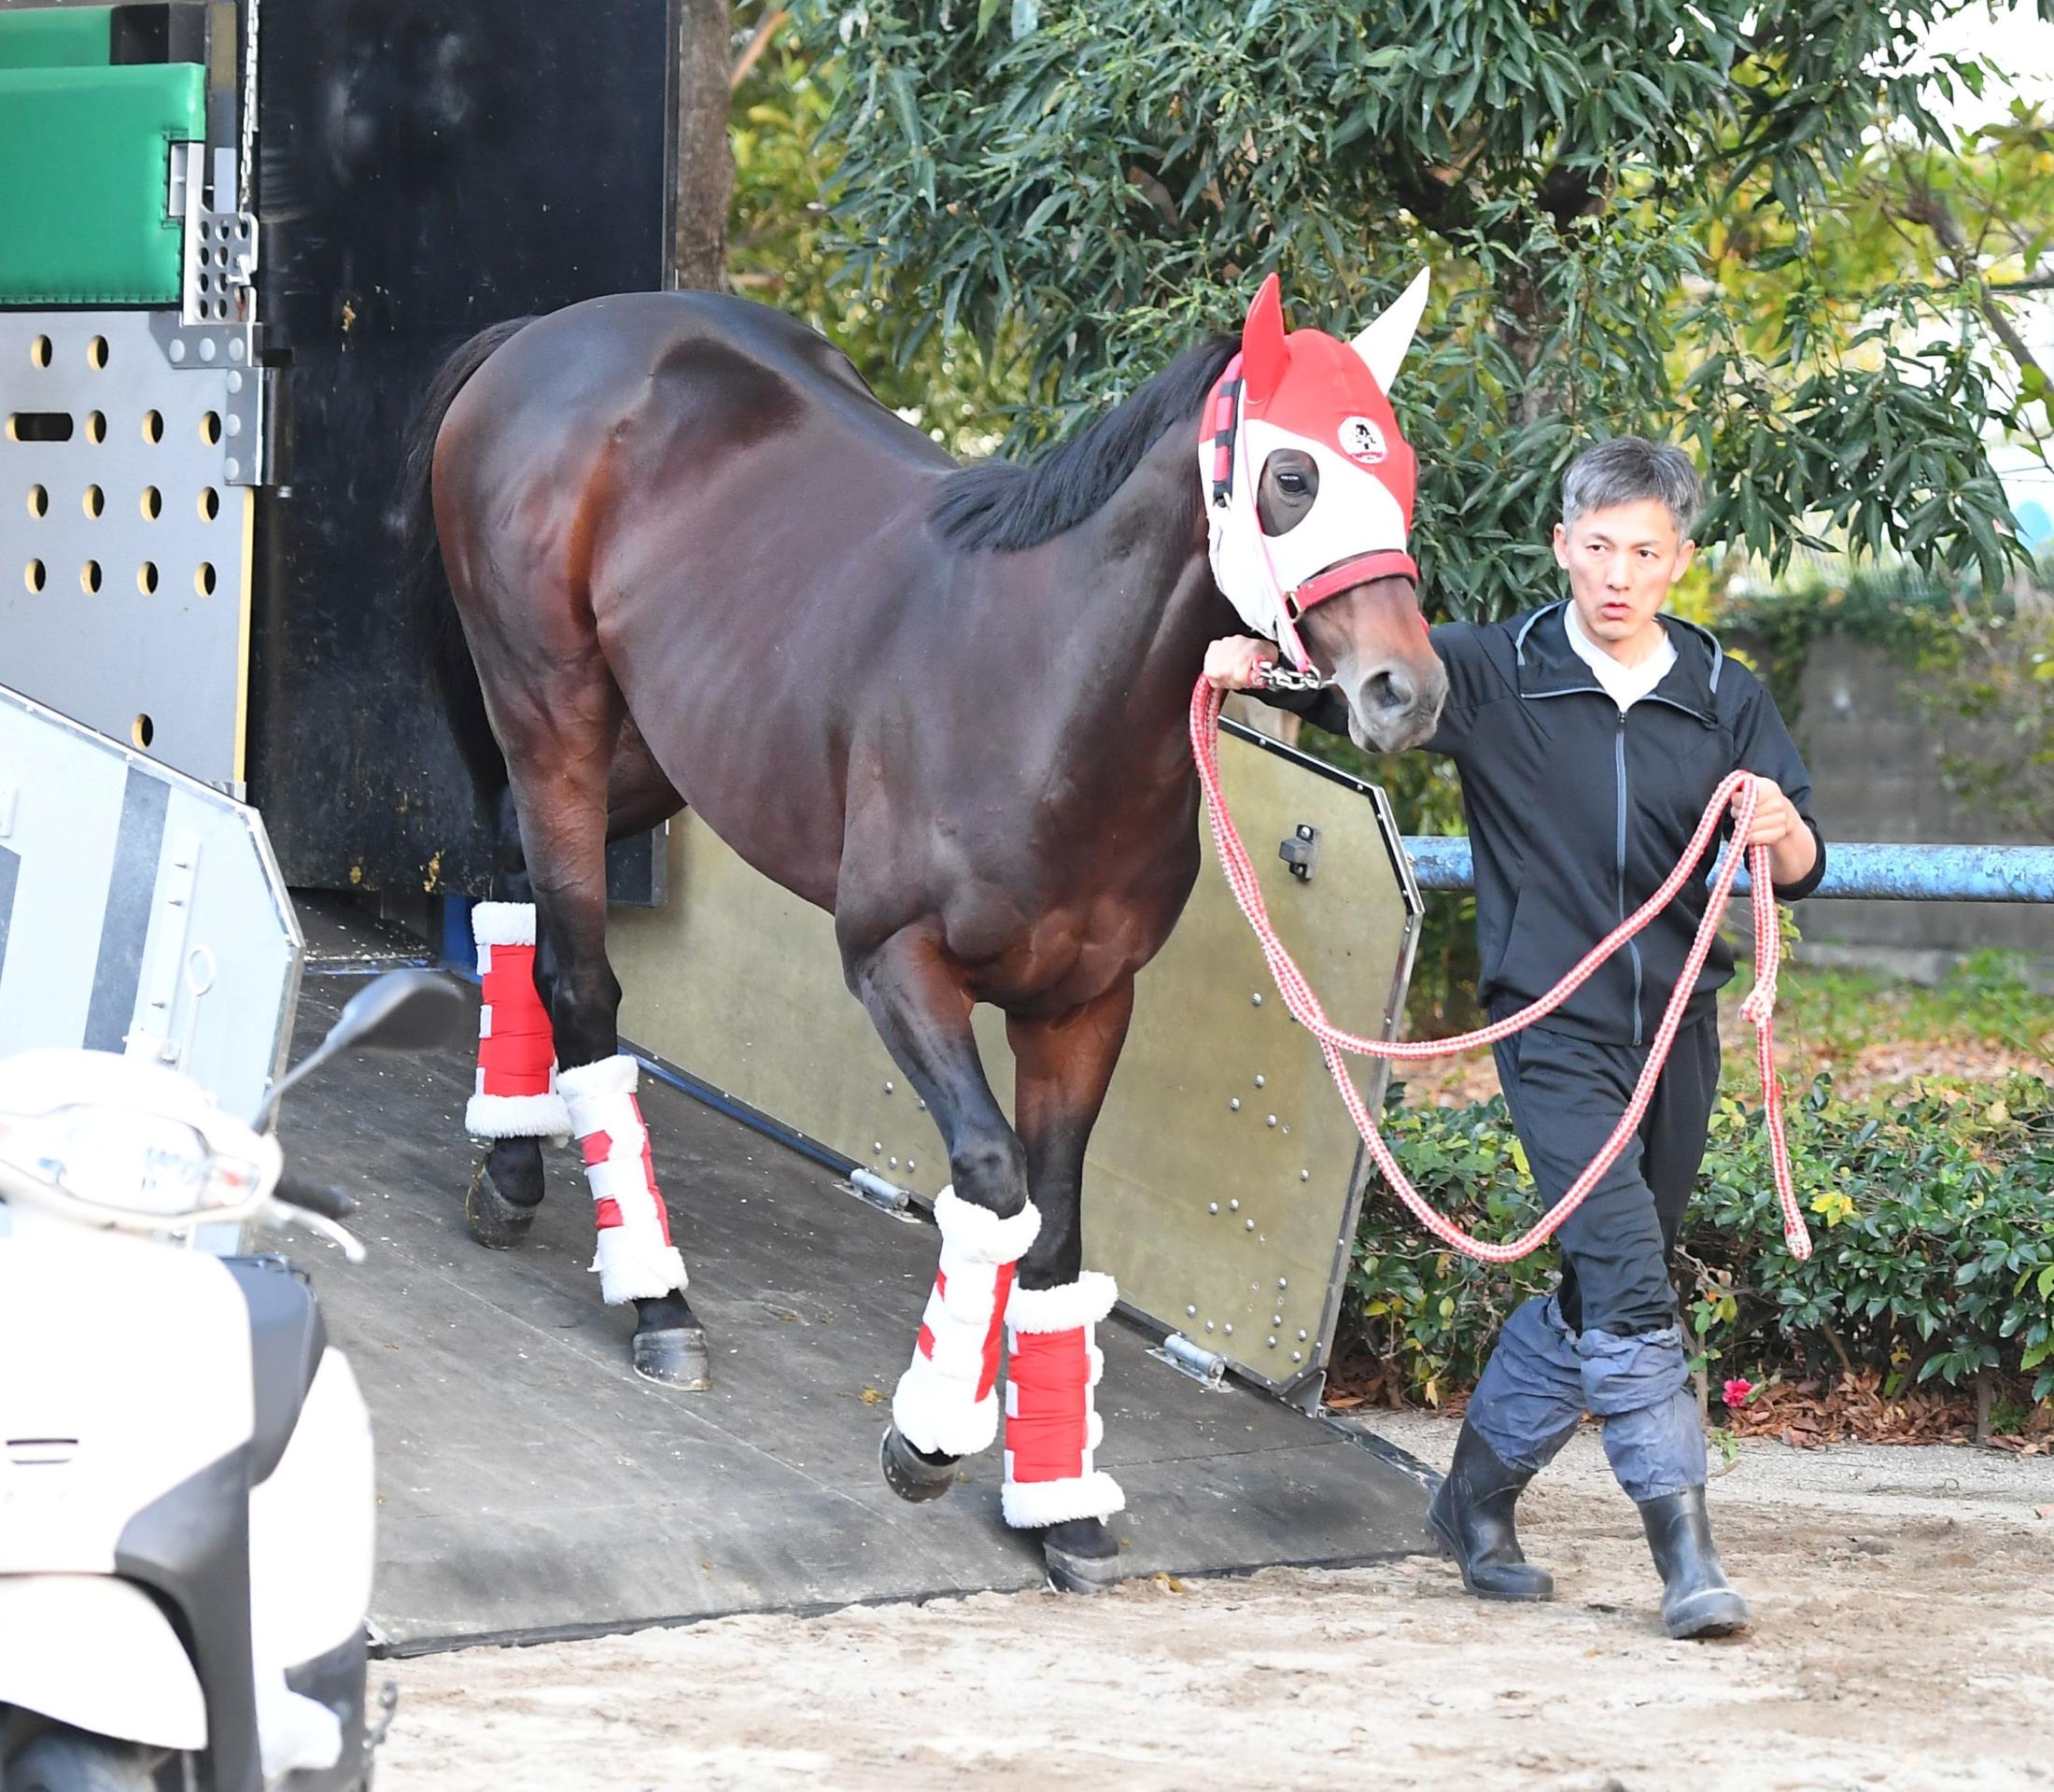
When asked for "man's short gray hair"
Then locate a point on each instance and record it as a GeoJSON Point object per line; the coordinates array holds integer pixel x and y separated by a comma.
{"type": "Point", "coordinates": [1628, 468]}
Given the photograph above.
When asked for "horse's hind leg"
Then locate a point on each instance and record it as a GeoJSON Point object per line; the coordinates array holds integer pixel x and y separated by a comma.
{"type": "Point", "coordinates": [508, 1188]}
{"type": "Point", "coordinates": [946, 1406]}
{"type": "Point", "coordinates": [499, 1206]}
{"type": "Point", "coordinates": [560, 793]}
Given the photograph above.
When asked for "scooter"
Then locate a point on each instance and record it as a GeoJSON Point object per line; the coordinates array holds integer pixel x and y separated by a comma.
{"type": "Point", "coordinates": [186, 1490]}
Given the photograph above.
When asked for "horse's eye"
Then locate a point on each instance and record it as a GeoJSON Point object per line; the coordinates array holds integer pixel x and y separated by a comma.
{"type": "Point", "coordinates": [1291, 483]}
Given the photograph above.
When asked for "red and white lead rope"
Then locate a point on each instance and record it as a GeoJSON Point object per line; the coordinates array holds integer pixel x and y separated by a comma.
{"type": "Point", "coordinates": [1737, 793]}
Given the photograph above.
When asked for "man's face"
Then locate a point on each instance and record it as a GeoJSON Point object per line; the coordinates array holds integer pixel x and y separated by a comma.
{"type": "Point", "coordinates": [1621, 561]}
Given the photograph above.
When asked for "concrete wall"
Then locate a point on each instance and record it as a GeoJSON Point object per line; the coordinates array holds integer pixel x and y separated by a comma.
{"type": "Point", "coordinates": [1874, 766]}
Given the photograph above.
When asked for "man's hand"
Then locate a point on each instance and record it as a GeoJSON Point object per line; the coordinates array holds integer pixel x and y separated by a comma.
{"type": "Point", "coordinates": [1776, 818]}
{"type": "Point", "coordinates": [1233, 662]}
{"type": "Point", "coordinates": [1778, 825]}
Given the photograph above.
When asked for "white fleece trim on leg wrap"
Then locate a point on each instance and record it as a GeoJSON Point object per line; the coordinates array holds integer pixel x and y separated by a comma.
{"type": "Point", "coordinates": [503, 924]}
{"type": "Point", "coordinates": [516, 1116]}
{"type": "Point", "coordinates": [946, 1401]}
{"type": "Point", "coordinates": [1083, 1302]}
{"type": "Point", "coordinates": [1052, 1477]}
{"type": "Point", "coordinates": [635, 1258]}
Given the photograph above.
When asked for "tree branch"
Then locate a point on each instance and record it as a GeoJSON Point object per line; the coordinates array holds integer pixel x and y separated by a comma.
{"type": "Point", "coordinates": [1922, 205]}
{"type": "Point", "coordinates": [1567, 193]}
{"type": "Point", "coordinates": [1157, 194]}
{"type": "Point", "coordinates": [1436, 204]}
{"type": "Point", "coordinates": [759, 41]}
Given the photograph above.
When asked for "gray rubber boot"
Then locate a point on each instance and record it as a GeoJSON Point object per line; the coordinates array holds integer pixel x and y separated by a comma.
{"type": "Point", "coordinates": [1471, 1513]}
{"type": "Point", "coordinates": [1696, 1598]}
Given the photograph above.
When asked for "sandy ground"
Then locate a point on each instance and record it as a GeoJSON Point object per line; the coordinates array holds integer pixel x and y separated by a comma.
{"type": "Point", "coordinates": [1904, 1639]}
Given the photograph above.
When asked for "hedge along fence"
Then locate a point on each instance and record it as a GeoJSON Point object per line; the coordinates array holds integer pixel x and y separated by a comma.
{"type": "Point", "coordinates": [1978, 670]}
{"type": "Point", "coordinates": [1932, 1224]}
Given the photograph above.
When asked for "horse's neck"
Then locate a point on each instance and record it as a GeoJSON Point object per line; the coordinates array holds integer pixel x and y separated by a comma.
{"type": "Point", "coordinates": [1144, 592]}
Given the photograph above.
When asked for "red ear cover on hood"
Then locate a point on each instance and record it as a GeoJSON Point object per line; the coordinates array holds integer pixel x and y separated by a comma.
{"type": "Point", "coordinates": [1263, 354]}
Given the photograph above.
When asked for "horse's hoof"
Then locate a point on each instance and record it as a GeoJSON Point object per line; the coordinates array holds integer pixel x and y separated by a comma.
{"type": "Point", "coordinates": [1081, 1557]}
{"type": "Point", "coordinates": [675, 1355]}
{"type": "Point", "coordinates": [494, 1222]}
{"type": "Point", "coordinates": [912, 1474]}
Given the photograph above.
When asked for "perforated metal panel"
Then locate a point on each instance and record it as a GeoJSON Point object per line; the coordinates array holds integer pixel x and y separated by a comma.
{"type": "Point", "coordinates": [124, 539]}
{"type": "Point", "coordinates": [1224, 1174]}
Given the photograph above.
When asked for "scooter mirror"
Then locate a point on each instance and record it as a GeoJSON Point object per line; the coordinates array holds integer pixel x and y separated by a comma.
{"type": "Point", "coordinates": [404, 1010]}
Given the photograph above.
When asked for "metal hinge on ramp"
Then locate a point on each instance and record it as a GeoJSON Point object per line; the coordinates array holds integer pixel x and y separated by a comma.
{"type": "Point", "coordinates": [873, 1191]}
{"type": "Point", "coordinates": [1202, 1365]}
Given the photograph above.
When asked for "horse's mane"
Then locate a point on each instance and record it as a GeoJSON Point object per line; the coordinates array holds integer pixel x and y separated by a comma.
{"type": "Point", "coordinates": [1002, 504]}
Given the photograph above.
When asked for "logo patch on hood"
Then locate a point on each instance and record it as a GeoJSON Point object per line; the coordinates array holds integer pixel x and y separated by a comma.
{"type": "Point", "coordinates": [1362, 440]}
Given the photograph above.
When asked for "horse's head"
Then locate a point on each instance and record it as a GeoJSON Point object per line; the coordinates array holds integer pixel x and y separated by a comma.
{"type": "Point", "coordinates": [1309, 488]}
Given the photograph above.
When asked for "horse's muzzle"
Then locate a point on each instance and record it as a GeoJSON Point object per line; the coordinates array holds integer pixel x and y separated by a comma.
{"type": "Point", "coordinates": [1396, 706]}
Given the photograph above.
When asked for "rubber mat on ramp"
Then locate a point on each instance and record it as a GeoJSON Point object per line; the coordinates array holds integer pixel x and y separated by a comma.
{"type": "Point", "coordinates": [531, 1486]}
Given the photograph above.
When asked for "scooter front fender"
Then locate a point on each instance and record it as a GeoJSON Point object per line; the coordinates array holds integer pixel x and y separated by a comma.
{"type": "Point", "coordinates": [95, 1652]}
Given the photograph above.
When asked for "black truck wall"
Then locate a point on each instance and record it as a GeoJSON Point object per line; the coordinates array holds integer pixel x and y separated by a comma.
{"type": "Point", "coordinates": [426, 167]}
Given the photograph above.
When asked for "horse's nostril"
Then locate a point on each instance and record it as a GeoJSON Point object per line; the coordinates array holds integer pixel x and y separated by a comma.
{"type": "Point", "coordinates": [1390, 689]}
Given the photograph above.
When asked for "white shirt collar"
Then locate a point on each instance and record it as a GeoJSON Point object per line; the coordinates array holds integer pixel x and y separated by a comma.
{"type": "Point", "coordinates": [1625, 684]}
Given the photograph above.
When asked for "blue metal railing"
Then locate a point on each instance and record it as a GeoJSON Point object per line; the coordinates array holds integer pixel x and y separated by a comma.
{"type": "Point", "coordinates": [1885, 872]}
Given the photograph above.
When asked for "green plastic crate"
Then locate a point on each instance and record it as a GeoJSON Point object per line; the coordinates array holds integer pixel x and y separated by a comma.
{"type": "Point", "coordinates": [84, 180]}
{"type": "Point", "coordinates": [57, 37]}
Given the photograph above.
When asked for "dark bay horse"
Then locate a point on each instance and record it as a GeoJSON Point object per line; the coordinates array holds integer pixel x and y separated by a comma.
{"type": "Point", "coordinates": [696, 561]}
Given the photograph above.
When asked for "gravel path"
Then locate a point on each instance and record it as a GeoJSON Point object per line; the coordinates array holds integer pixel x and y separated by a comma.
{"type": "Point", "coordinates": [1904, 1639]}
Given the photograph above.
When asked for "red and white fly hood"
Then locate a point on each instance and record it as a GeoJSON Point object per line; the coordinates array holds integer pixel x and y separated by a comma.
{"type": "Point", "coordinates": [1325, 398]}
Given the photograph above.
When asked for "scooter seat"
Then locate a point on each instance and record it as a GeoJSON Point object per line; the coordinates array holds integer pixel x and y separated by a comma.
{"type": "Point", "coordinates": [286, 1339]}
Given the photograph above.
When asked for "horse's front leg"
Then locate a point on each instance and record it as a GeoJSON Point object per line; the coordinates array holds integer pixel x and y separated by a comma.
{"type": "Point", "coordinates": [563, 827]}
{"type": "Point", "coordinates": [1063, 1067]}
{"type": "Point", "coordinates": [947, 1403]}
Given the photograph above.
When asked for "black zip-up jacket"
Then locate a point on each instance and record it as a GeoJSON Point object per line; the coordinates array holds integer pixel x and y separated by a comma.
{"type": "Point", "coordinates": [1577, 812]}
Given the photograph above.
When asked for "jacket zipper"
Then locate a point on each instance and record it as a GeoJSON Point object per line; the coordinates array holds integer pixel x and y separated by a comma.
{"type": "Point", "coordinates": [1633, 946]}
{"type": "Point", "coordinates": [1619, 757]}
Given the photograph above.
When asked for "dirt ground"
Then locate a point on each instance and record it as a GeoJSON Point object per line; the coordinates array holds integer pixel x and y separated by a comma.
{"type": "Point", "coordinates": [1904, 1639]}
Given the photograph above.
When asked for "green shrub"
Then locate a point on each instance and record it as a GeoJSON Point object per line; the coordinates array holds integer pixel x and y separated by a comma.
{"type": "Point", "coordinates": [1932, 1220]}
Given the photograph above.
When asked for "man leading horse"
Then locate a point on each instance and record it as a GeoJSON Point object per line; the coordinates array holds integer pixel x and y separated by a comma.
{"type": "Point", "coordinates": [1590, 734]}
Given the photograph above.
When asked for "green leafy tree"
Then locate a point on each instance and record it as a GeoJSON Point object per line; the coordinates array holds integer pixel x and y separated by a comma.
{"type": "Point", "coordinates": [780, 248]}
{"type": "Point", "coordinates": [1635, 209]}
{"type": "Point", "coordinates": [1981, 220]}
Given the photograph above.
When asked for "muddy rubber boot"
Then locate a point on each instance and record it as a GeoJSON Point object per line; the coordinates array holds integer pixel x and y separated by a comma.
{"type": "Point", "coordinates": [1473, 1515]}
{"type": "Point", "coordinates": [1696, 1598]}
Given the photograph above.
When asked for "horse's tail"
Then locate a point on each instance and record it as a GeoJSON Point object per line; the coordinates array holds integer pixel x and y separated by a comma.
{"type": "Point", "coordinates": [424, 586]}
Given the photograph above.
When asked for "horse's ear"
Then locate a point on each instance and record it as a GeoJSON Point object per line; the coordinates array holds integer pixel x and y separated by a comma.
{"type": "Point", "coordinates": [1263, 354]}
{"type": "Point", "coordinates": [1383, 344]}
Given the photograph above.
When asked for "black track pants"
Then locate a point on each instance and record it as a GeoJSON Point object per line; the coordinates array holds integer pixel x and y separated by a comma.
{"type": "Point", "coordinates": [1565, 1096]}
